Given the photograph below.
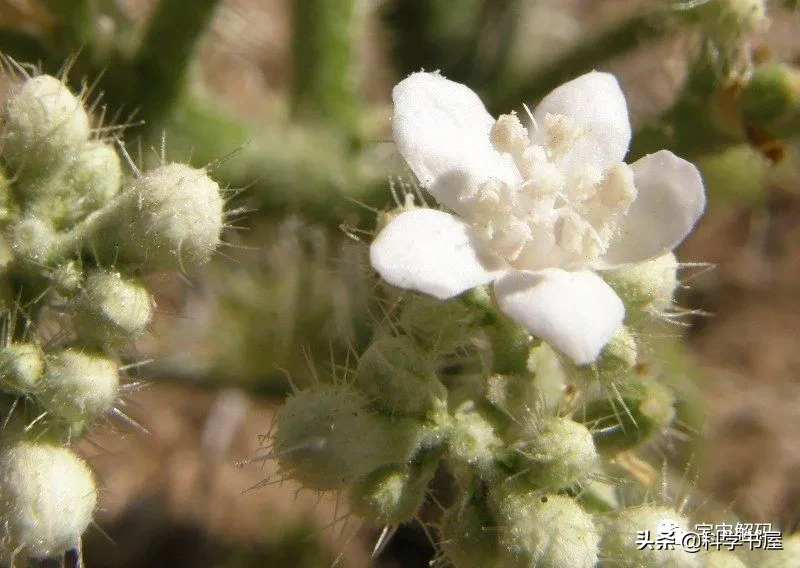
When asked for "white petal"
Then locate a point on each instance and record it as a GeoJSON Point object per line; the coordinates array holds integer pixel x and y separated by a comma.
{"type": "Point", "coordinates": [670, 200]}
{"type": "Point", "coordinates": [595, 103]}
{"type": "Point", "coordinates": [441, 128]}
{"type": "Point", "coordinates": [432, 252]}
{"type": "Point", "coordinates": [575, 312]}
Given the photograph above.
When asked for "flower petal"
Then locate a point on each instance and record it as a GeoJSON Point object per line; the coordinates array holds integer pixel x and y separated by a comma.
{"type": "Point", "coordinates": [441, 128]}
{"type": "Point", "coordinates": [432, 252]}
{"type": "Point", "coordinates": [670, 200]}
{"type": "Point", "coordinates": [595, 103]}
{"type": "Point", "coordinates": [575, 312]}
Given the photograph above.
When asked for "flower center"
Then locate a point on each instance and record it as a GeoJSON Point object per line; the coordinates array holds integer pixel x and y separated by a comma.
{"type": "Point", "coordinates": [560, 215]}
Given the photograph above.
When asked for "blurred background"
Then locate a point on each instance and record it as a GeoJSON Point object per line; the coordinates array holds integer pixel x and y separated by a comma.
{"type": "Point", "coordinates": [289, 101]}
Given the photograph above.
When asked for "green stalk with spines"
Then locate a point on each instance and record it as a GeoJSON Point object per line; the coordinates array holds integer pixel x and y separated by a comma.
{"type": "Point", "coordinates": [325, 74]}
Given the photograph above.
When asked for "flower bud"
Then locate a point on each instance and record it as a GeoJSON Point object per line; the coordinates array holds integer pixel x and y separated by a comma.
{"type": "Point", "coordinates": [88, 183]}
{"type": "Point", "coordinates": [35, 242]}
{"type": "Point", "coordinates": [474, 441]}
{"type": "Point", "coordinates": [45, 124]}
{"type": "Point", "coordinates": [170, 219]}
{"type": "Point", "coordinates": [111, 310]}
{"type": "Point", "coordinates": [21, 367]}
{"type": "Point", "coordinates": [620, 535]}
{"type": "Point", "coordinates": [78, 386]}
{"type": "Point", "coordinates": [327, 437]}
{"type": "Point", "coordinates": [543, 530]}
{"type": "Point", "coordinates": [399, 378]}
{"type": "Point", "coordinates": [67, 278]}
{"type": "Point", "coordinates": [470, 535]}
{"type": "Point", "coordinates": [47, 498]}
{"type": "Point", "coordinates": [437, 325]}
{"type": "Point", "coordinates": [644, 408]}
{"type": "Point", "coordinates": [771, 93]}
{"type": "Point", "coordinates": [615, 361]}
{"type": "Point", "coordinates": [391, 494]}
{"type": "Point", "coordinates": [555, 452]}
{"type": "Point", "coordinates": [645, 288]}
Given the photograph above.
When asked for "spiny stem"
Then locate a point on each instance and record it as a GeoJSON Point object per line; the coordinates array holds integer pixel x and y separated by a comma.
{"type": "Point", "coordinates": [167, 51]}
{"type": "Point", "coordinates": [324, 60]}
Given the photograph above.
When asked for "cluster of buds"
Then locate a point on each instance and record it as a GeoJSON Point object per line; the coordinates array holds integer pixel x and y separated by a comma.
{"type": "Point", "coordinates": [78, 236]}
{"type": "Point", "coordinates": [517, 356]}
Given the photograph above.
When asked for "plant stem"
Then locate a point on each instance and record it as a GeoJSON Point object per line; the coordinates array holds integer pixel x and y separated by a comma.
{"type": "Point", "coordinates": [324, 61]}
{"type": "Point", "coordinates": [166, 54]}
{"type": "Point", "coordinates": [584, 57]}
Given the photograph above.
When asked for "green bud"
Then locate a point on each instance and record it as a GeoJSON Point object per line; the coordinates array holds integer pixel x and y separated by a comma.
{"type": "Point", "coordinates": [550, 383]}
{"type": "Point", "coordinates": [437, 325]}
{"type": "Point", "coordinates": [645, 288]}
{"type": "Point", "coordinates": [47, 499]}
{"type": "Point", "coordinates": [616, 360]}
{"type": "Point", "coordinates": [723, 559]}
{"type": "Point", "coordinates": [555, 452]}
{"type": "Point", "coordinates": [541, 530]}
{"type": "Point", "coordinates": [731, 20]}
{"type": "Point", "coordinates": [111, 310]}
{"type": "Point", "coordinates": [644, 408]}
{"type": "Point", "coordinates": [391, 494]}
{"type": "Point", "coordinates": [327, 437]}
{"type": "Point", "coordinates": [399, 378]}
{"type": "Point", "coordinates": [170, 219]}
{"type": "Point", "coordinates": [474, 441]}
{"type": "Point", "coordinates": [771, 93]}
{"type": "Point", "coordinates": [35, 242]}
{"type": "Point", "coordinates": [88, 183]}
{"type": "Point", "coordinates": [21, 367]}
{"type": "Point", "coordinates": [45, 124]}
{"type": "Point", "coordinates": [67, 278]}
{"type": "Point", "coordinates": [78, 386]}
{"type": "Point", "coordinates": [470, 535]}
{"type": "Point", "coordinates": [619, 539]}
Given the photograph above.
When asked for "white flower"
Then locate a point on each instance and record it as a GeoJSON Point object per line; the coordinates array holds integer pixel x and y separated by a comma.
{"type": "Point", "coordinates": [537, 210]}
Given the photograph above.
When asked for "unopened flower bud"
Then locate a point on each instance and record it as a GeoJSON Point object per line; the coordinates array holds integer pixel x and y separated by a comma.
{"type": "Point", "coordinates": [399, 378]}
{"type": "Point", "coordinates": [35, 242]}
{"type": "Point", "coordinates": [21, 367]}
{"type": "Point", "coordinates": [47, 499]}
{"type": "Point", "coordinates": [543, 530]}
{"type": "Point", "coordinates": [474, 441]}
{"type": "Point", "coordinates": [771, 93]}
{"type": "Point", "coordinates": [470, 535]}
{"type": "Point", "coordinates": [78, 386]}
{"type": "Point", "coordinates": [170, 219]}
{"type": "Point", "coordinates": [555, 452]}
{"type": "Point", "coordinates": [643, 409]}
{"type": "Point", "coordinates": [437, 325]}
{"type": "Point", "coordinates": [89, 182]}
{"type": "Point", "coordinates": [45, 124]}
{"type": "Point", "coordinates": [110, 309]}
{"type": "Point", "coordinates": [327, 437]}
{"type": "Point", "coordinates": [391, 494]}
{"type": "Point", "coordinates": [615, 361]}
{"type": "Point", "coordinates": [620, 536]}
{"type": "Point", "coordinates": [645, 288]}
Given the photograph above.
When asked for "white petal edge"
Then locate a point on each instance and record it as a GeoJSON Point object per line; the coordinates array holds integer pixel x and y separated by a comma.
{"type": "Point", "coordinates": [441, 129]}
{"type": "Point", "coordinates": [431, 252]}
{"type": "Point", "coordinates": [575, 312]}
{"type": "Point", "coordinates": [670, 200]}
{"type": "Point", "coordinates": [597, 105]}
